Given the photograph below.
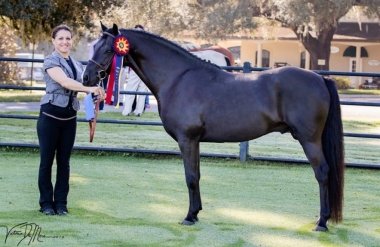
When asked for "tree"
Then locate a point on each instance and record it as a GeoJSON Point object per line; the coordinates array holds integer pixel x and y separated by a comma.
{"type": "Point", "coordinates": [172, 18]}
{"type": "Point", "coordinates": [214, 20]}
{"type": "Point", "coordinates": [34, 20]}
{"type": "Point", "coordinates": [313, 21]}
{"type": "Point", "coordinates": [8, 47]}
{"type": "Point", "coordinates": [164, 17]}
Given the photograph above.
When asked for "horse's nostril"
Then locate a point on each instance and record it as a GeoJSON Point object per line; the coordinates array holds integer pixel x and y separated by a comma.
{"type": "Point", "coordinates": [85, 78]}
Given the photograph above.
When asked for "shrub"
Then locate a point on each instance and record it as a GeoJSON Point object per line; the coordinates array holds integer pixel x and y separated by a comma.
{"type": "Point", "coordinates": [342, 82]}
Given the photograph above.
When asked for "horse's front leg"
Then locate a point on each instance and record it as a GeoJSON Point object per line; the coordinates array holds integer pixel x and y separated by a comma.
{"type": "Point", "coordinates": [190, 156]}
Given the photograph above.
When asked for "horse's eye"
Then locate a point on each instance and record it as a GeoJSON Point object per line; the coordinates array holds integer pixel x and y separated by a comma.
{"type": "Point", "coordinates": [108, 51]}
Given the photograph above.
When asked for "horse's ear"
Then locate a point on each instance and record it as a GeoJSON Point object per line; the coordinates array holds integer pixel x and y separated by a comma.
{"type": "Point", "coordinates": [115, 29]}
{"type": "Point", "coordinates": [104, 28]}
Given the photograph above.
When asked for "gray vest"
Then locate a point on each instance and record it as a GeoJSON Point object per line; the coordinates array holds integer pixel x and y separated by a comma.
{"type": "Point", "coordinates": [55, 93]}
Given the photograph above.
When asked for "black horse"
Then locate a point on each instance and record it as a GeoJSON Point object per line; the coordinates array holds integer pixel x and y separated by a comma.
{"type": "Point", "coordinates": [199, 102]}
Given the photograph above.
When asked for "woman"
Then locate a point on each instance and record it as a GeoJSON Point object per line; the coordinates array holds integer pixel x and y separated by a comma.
{"type": "Point", "coordinates": [57, 123]}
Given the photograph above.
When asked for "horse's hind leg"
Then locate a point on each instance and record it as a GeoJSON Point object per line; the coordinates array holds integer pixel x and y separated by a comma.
{"type": "Point", "coordinates": [314, 153]}
{"type": "Point", "coordinates": [190, 156]}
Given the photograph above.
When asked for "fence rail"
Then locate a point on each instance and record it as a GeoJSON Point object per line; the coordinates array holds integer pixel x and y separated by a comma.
{"type": "Point", "coordinates": [243, 145]}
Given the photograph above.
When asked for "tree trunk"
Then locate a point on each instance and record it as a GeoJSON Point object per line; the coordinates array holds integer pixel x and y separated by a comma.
{"type": "Point", "coordinates": [318, 47]}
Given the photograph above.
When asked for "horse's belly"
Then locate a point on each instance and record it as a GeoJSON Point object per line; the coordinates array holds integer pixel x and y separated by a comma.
{"type": "Point", "coordinates": [237, 132]}
{"type": "Point", "coordinates": [235, 138]}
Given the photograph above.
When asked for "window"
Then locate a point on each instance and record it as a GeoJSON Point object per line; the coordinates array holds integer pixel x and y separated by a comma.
{"type": "Point", "coordinates": [353, 66]}
{"type": "Point", "coordinates": [265, 59]}
{"type": "Point", "coordinates": [303, 60]}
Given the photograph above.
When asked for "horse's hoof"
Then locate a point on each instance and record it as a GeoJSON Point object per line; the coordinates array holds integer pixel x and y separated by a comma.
{"type": "Point", "coordinates": [187, 223]}
{"type": "Point", "coordinates": [321, 229]}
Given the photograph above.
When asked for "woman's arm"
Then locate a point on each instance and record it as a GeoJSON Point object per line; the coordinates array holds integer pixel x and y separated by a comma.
{"type": "Point", "coordinates": [57, 74]}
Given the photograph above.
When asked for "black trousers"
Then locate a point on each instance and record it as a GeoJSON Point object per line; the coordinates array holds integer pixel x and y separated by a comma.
{"type": "Point", "coordinates": [56, 139]}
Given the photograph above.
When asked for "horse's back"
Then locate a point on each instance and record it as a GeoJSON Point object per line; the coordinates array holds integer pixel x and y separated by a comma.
{"type": "Point", "coordinates": [275, 89]}
{"type": "Point", "coordinates": [246, 106]}
{"type": "Point", "coordinates": [295, 83]}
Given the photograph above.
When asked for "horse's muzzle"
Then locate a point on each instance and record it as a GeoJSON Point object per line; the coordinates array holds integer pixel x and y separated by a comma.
{"type": "Point", "coordinates": [85, 79]}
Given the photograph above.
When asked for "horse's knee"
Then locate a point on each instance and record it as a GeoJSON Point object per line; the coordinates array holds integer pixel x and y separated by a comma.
{"type": "Point", "coordinates": [192, 181]}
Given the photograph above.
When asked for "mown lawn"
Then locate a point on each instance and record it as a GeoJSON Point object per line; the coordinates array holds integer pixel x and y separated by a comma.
{"type": "Point", "coordinates": [126, 199]}
{"type": "Point", "coordinates": [358, 150]}
{"type": "Point", "coordinates": [135, 200]}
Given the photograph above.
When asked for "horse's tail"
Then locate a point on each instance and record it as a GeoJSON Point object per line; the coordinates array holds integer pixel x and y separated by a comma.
{"type": "Point", "coordinates": [333, 150]}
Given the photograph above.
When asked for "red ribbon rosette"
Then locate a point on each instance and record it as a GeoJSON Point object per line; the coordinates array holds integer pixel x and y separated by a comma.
{"type": "Point", "coordinates": [121, 45]}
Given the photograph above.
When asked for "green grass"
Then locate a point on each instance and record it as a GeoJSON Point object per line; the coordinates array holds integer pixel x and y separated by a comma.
{"type": "Point", "coordinates": [35, 96]}
{"type": "Point", "coordinates": [123, 199]}
{"type": "Point", "coordinates": [24, 95]}
{"type": "Point", "coordinates": [358, 150]}
{"type": "Point", "coordinates": [359, 91]}
{"type": "Point", "coordinates": [140, 200]}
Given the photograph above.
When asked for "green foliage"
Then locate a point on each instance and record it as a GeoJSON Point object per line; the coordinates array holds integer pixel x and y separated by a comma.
{"type": "Point", "coordinates": [213, 20]}
{"type": "Point", "coordinates": [153, 15]}
{"type": "Point", "coordinates": [8, 47]}
{"type": "Point", "coordinates": [34, 20]}
{"type": "Point", "coordinates": [342, 82]}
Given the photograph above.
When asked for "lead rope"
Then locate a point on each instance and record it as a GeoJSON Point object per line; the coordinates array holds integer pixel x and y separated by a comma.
{"type": "Point", "coordinates": [96, 111]}
{"type": "Point", "coordinates": [93, 125]}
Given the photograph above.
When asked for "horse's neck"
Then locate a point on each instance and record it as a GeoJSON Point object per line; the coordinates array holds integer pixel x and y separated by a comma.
{"type": "Point", "coordinates": [159, 64]}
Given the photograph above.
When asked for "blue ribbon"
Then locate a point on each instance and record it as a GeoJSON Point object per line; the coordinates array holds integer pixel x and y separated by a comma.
{"type": "Point", "coordinates": [116, 91]}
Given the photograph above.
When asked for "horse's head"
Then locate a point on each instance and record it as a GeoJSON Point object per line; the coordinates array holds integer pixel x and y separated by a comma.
{"type": "Point", "coordinates": [99, 66]}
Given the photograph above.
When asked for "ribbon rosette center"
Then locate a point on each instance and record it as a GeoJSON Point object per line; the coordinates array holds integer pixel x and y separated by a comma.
{"type": "Point", "coordinates": [121, 45]}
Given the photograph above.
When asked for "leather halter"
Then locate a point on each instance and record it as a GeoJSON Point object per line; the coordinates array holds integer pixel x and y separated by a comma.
{"type": "Point", "coordinates": [96, 110]}
{"type": "Point", "coordinates": [104, 68]}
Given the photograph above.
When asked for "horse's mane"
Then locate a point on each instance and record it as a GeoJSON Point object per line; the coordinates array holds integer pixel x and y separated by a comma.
{"type": "Point", "coordinates": [175, 45]}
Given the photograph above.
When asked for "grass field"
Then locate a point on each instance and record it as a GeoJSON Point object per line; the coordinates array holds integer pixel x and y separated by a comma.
{"type": "Point", "coordinates": [141, 200]}
{"type": "Point", "coordinates": [359, 91]}
{"type": "Point", "coordinates": [35, 96]}
{"type": "Point", "coordinates": [358, 150]}
{"type": "Point", "coordinates": [124, 199]}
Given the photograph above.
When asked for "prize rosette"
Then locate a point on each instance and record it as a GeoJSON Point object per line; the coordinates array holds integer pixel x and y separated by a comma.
{"type": "Point", "coordinates": [121, 45]}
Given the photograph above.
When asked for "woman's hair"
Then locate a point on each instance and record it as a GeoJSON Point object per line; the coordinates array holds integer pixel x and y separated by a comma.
{"type": "Point", "coordinates": [139, 26]}
{"type": "Point", "coordinates": [59, 28]}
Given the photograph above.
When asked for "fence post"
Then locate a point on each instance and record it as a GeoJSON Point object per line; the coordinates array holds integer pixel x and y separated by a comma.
{"type": "Point", "coordinates": [244, 145]}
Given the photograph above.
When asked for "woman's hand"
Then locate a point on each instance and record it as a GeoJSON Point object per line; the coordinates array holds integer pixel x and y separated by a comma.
{"type": "Point", "coordinates": [98, 91]}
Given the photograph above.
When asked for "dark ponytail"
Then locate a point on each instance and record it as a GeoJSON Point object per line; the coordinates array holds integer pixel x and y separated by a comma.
{"type": "Point", "coordinates": [59, 28]}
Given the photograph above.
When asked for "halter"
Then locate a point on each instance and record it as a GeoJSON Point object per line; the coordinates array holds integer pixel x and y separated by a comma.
{"type": "Point", "coordinates": [120, 47]}
{"type": "Point", "coordinates": [101, 74]}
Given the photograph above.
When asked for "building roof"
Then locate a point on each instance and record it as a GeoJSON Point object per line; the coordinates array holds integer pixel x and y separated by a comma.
{"type": "Point", "coordinates": [362, 31]}
{"type": "Point", "coordinates": [346, 31]}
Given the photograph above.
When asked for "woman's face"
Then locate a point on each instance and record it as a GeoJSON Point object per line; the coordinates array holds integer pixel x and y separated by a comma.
{"type": "Point", "coordinates": [62, 42]}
